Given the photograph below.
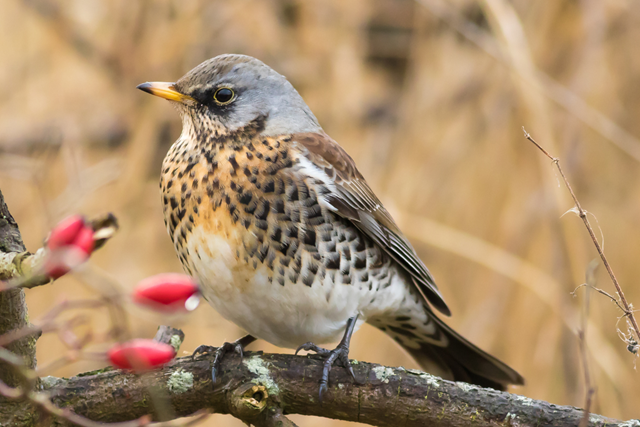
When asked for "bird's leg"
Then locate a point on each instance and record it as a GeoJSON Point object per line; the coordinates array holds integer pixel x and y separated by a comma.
{"type": "Point", "coordinates": [340, 354]}
{"type": "Point", "coordinates": [237, 346]}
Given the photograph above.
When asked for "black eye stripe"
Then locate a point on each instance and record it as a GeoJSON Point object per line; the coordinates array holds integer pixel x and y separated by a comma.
{"type": "Point", "coordinates": [223, 95]}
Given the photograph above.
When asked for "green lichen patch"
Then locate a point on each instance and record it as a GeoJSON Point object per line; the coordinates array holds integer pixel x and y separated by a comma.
{"type": "Point", "coordinates": [468, 387]}
{"type": "Point", "coordinates": [180, 381]}
{"type": "Point", "coordinates": [383, 373]}
{"type": "Point", "coordinates": [432, 380]}
{"type": "Point", "coordinates": [51, 382]}
{"type": "Point", "coordinates": [175, 342]}
{"type": "Point", "coordinates": [258, 367]}
{"type": "Point", "coordinates": [526, 401]}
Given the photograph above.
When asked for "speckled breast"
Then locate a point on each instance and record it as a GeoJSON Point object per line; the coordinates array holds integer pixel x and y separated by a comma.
{"type": "Point", "coordinates": [250, 210]}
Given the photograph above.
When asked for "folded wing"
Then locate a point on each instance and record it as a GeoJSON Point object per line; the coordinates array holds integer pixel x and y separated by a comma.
{"type": "Point", "coordinates": [353, 199]}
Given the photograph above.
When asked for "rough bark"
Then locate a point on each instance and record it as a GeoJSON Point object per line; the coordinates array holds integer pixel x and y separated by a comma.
{"type": "Point", "coordinates": [13, 308]}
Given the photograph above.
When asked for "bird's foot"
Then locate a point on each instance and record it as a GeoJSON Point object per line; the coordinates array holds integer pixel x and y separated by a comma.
{"type": "Point", "coordinates": [339, 355]}
{"type": "Point", "coordinates": [219, 353]}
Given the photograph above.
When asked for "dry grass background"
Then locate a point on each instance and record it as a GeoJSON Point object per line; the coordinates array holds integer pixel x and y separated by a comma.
{"type": "Point", "coordinates": [433, 118]}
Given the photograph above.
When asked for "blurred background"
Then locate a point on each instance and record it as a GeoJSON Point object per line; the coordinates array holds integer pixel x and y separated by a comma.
{"type": "Point", "coordinates": [428, 96]}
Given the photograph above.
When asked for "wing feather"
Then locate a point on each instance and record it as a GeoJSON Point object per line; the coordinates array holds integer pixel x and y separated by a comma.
{"type": "Point", "coordinates": [353, 199]}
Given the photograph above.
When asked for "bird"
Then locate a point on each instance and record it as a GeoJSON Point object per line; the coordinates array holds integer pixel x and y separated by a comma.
{"type": "Point", "coordinates": [285, 236]}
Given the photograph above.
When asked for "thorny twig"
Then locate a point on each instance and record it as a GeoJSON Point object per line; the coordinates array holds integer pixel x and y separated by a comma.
{"type": "Point", "coordinates": [625, 306]}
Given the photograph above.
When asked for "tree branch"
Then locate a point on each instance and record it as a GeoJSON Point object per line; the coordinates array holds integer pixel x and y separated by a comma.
{"type": "Point", "coordinates": [262, 388]}
{"type": "Point", "coordinates": [13, 308]}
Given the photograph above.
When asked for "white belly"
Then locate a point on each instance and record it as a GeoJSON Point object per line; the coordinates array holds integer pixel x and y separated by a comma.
{"type": "Point", "coordinates": [289, 315]}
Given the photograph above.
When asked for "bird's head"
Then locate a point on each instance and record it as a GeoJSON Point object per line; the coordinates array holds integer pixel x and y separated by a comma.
{"type": "Point", "coordinates": [229, 92]}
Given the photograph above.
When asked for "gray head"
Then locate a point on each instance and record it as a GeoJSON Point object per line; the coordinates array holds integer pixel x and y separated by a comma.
{"type": "Point", "coordinates": [229, 92]}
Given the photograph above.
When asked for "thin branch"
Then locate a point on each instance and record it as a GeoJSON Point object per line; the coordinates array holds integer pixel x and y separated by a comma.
{"type": "Point", "coordinates": [603, 292]}
{"type": "Point", "coordinates": [627, 308]}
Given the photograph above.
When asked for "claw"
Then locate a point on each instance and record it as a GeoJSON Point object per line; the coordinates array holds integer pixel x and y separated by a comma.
{"type": "Point", "coordinates": [339, 354]}
{"type": "Point", "coordinates": [220, 352]}
{"type": "Point", "coordinates": [202, 349]}
{"type": "Point", "coordinates": [350, 369]}
{"type": "Point", "coordinates": [323, 388]}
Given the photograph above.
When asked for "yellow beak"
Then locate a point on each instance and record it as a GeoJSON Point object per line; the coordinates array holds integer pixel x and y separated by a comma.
{"type": "Point", "coordinates": [164, 90]}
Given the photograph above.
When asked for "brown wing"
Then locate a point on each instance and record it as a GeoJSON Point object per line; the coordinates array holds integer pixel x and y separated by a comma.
{"type": "Point", "coordinates": [355, 201]}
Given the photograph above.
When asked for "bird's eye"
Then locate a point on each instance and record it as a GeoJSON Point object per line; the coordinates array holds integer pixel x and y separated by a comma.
{"type": "Point", "coordinates": [223, 96]}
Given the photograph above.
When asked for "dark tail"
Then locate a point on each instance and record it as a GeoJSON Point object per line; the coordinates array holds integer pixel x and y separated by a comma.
{"type": "Point", "coordinates": [443, 352]}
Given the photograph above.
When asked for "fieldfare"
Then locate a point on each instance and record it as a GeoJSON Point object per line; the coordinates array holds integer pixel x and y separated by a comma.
{"type": "Point", "coordinates": [285, 236]}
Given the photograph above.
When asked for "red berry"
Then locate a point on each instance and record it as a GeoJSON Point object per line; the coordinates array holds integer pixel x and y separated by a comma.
{"type": "Point", "coordinates": [65, 232]}
{"type": "Point", "coordinates": [70, 244]}
{"type": "Point", "coordinates": [140, 354]}
{"type": "Point", "coordinates": [84, 240]}
{"type": "Point", "coordinates": [165, 292]}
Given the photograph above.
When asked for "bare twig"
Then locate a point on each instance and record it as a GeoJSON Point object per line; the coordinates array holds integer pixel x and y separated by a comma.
{"type": "Point", "coordinates": [600, 291]}
{"type": "Point", "coordinates": [626, 307]}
